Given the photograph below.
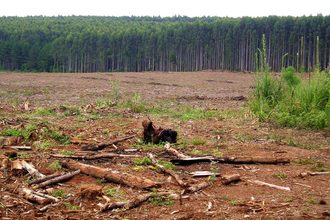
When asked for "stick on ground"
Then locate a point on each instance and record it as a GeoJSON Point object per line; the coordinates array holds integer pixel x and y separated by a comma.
{"type": "Point", "coordinates": [104, 145]}
{"type": "Point", "coordinates": [167, 171]}
{"type": "Point", "coordinates": [57, 179]}
{"type": "Point", "coordinates": [92, 157]}
{"type": "Point", "coordinates": [261, 183]}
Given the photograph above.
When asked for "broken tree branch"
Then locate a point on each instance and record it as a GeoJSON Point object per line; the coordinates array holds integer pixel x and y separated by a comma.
{"type": "Point", "coordinates": [187, 160]}
{"type": "Point", "coordinates": [167, 171]}
{"type": "Point", "coordinates": [174, 152]}
{"type": "Point", "coordinates": [92, 157]}
{"type": "Point", "coordinates": [304, 174]}
{"type": "Point", "coordinates": [134, 202]}
{"type": "Point", "coordinates": [112, 176]}
{"type": "Point", "coordinates": [57, 179]}
{"type": "Point", "coordinates": [197, 187]}
{"type": "Point", "coordinates": [30, 195]}
{"type": "Point", "coordinates": [227, 179]}
{"type": "Point", "coordinates": [261, 183]}
{"type": "Point", "coordinates": [104, 145]}
{"type": "Point", "coordinates": [43, 179]}
{"type": "Point", "coordinates": [22, 164]}
{"type": "Point", "coordinates": [18, 147]}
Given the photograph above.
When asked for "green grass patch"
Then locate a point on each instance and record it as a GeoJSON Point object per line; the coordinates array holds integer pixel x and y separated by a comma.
{"type": "Point", "coordinates": [55, 165]}
{"type": "Point", "coordinates": [43, 145]}
{"type": "Point", "coordinates": [293, 101]}
{"type": "Point", "coordinates": [145, 161]}
{"type": "Point", "coordinates": [160, 200]}
{"type": "Point", "coordinates": [112, 192]}
{"type": "Point", "coordinates": [43, 112]}
{"type": "Point", "coordinates": [59, 194]}
{"type": "Point", "coordinates": [67, 152]}
{"type": "Point", "coordinates": [280, 175]}
{"type": "Point", "coordinates": [167, 165]}
{"type": "Point", "coordinates": [23, 155]}
{"type": "Point", "coordinates": [320, 167]}
{"type": "Point", "coordinates": [70, 206]}
{"type": "Point", "coordinates": [198, 141]}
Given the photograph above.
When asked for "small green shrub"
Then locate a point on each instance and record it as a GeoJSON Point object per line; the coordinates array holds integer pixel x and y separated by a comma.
{"type": "Point", "coordinates": [70, 206]}
{"type": "Point", "coordinates": [145, 161]}
{"type": "Point", "coordinates": [55, 165]}
{"type": "Point", "coordinates": [43, 112]}
{"type": "Point", "coordinates": [280, 175]}
{"type": "Point", "coordinates": [59, 193]}
{"type": "Point", "coordinates": [135, 103]}
{"type": "Point", "coordinates": [160, 200]}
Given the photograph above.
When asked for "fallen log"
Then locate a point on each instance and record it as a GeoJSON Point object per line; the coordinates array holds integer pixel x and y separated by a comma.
{"type": "Point", "coordinates": [134, 202]}
{"type": "Point", "coordinates": [29, 195]}
{"type": "Point", "coordinates": [22, 164]}
{"type": "Point", "coordinates": [304, 174]}
{"type": "Point", "coordinates": [57, 179]}
{"type": "Point", "coordinates": [92, 157]}
{"type": "Point", "coordinates": [167, 171]}
{"type": "Point", "coordinates": [43, 179]}
{"type": "Point", "coordinates": [187, 160]}
{"type": "Point", "coordinates": [203, 174]}
{"type": "Point", "coordinates": [112, 176]}
{"type": "Point", "coordinates": [196, 187]}
{"type": "Point", "coordinates": [97, 147]}
{"type": "Point", "coordinates": [18, 147]}
{"type": "Point", "coordinates": [227, 179]}
{"type": "Point", "coordinates": [261, 183]}
{"type": "Point", "coordinates": [230, 160]}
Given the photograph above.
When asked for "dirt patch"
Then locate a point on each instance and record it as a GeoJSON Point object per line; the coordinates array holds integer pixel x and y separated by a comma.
{"type": "Point", "coordinates": [232, 131]}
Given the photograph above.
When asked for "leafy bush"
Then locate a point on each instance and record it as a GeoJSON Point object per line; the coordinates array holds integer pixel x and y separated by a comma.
{"type": "Point", "coordinates": [292, 101]}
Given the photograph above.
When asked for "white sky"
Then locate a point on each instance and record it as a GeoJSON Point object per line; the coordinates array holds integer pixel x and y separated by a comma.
{"type": "Point", "coordinates": [231, 8]}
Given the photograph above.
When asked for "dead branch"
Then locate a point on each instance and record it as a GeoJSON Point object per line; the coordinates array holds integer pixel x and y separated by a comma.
{"type": "Point", "coordinates": [92, 157]}
{"type": "Point", "coordinates": [230, 160]}
{"type": "Point", "coordinates": [203, 174]}
{"type": "Point", "coordinates": [134, 202]}
{"type": "Point", "coordinates": [227, 179]}
{"type": "Point", "coordinates": [174, 152]}
{"type": "Point", "coordinates": [57, 179]}
{"type": "Point", "coordinates": [304, 174]}
{"type": "Point", "coordinates": [112, 176]}
{"type": "Point", "coordinates": [22, 164]}
{"type": "Point", "coordinates": [104, 145]}
{"type": "Point", "coordinates": [30, 195]}
{"type": "Point", "coordinates": [43, 179]}
{"type": "Point", "coordinates": [167, 171]}
{"type": "Point", "coordinates": [261, 183]}
{"type": "Point", "coordinates": [197, 187]}
{"type": "Point", "coordinates": [18, 147]}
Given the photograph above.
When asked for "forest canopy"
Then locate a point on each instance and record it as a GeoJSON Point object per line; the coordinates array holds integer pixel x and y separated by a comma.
{"type": "Point", "coordinates": [106, 44]}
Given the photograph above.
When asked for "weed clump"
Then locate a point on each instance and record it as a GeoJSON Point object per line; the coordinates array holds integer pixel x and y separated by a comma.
{"type": "Point", "coordinates": [293, 101]}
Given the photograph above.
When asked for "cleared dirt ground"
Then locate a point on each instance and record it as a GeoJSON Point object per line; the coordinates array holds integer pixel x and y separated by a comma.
{"type": "Point", "coordinates": [207, 109]}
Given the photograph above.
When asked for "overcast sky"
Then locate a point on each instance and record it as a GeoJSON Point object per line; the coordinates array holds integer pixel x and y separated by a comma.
{"type": "Point", "coordinates": [231, 8]}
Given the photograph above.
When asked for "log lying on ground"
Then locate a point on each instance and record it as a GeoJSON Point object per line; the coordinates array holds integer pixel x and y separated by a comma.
{"type": "Point", "coordinates": [57, 179]}
{"type": "Point", "coordinates": [261, 183]}
{"type": "Point", "coordinates": [110, 175]}
{"type": "Point", "coordinates": [304, 174]}
{"type": "Point", "coordinates": [134, 202]}
{"type": "Point", "coordinates": [167, 171]}
{"type": "Point", "coordinates": [203, 174]}
{"type": "Point", "coordinates": [18, 147]}
{"type": "Point", "coordinates": [104, 145]}
{"type": "Point", "coordinates": [45, 178]}
{"type": "Point", "coordinates": [197, 187]}
{"type": "Point", "coordinates": [231, 160]}
{"type": "Point", "coordinates": [92, 157]}
{"type": "Point", "coordinates": [22, 164]}
{"type": "Point", "coordinates": [227, 179]}
{"type": "Point", "coordinates": [37, 197]}
{"type": "Point", "coordinates": [187, 160]}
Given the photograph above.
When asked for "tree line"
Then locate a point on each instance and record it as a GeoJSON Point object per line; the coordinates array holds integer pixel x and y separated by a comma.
{"type": "Point", "coordinates": [106, 44]}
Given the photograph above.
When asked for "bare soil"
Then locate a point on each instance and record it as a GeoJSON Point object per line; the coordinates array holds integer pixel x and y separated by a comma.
{"type": "Point", "coordinates": [233, 131]}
